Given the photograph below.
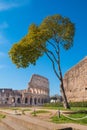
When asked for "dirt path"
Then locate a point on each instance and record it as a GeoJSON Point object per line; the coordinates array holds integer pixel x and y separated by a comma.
{"type": "Point", "coordinates": [4, 126]}
{"type": "Point", "coordinates": [26, 122]}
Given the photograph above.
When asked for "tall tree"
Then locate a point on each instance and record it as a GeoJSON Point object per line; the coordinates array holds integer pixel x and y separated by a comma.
{"type": "Point", "coordinates": [55, 32]}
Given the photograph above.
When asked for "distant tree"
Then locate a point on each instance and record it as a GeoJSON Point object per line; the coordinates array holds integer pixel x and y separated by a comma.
{"type": "Point", "coordinates": [55, 32]}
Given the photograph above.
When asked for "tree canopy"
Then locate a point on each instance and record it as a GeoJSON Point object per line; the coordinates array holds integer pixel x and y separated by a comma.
{"type": "Point", "coordinates": [55, 28]}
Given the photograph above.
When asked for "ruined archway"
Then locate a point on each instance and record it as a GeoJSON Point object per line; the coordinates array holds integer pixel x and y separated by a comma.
{"type": "Point", "coordinates": [38, 100]}
{"type": "Point", "coordinates": [35, 101]}
{"type": "Point", "coordinates": [18, 101]}
{"type": "Point", "coordinates": [13, 100]}
{"type": "Point", "coordinates": [26, 100]}
{"type": "Point", "coordinates": [42, 101]}
{"type": "Point", "coordinates": [31, 101]}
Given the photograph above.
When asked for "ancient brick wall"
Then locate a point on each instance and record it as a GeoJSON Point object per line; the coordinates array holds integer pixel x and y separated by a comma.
{"type": "Point", "coordinates": [75, 82]}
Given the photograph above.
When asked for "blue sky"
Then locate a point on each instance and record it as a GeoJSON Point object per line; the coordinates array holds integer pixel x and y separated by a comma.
{"type": "Point", "coordinates": [15, 18]}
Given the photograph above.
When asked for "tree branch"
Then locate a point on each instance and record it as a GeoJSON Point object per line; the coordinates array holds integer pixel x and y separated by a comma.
{"type": "Point", "coordinates": [53, 65]}
{"type": "Point", "coordinates": [59, 68]}
{"type": "Point", "coordinates": [50, 52]}
{"type": "Point", "coordinates": [52, 46]}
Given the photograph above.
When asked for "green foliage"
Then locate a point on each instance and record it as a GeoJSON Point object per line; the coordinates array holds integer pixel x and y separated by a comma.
{"type": "Point", "coordinates": [35, 43]}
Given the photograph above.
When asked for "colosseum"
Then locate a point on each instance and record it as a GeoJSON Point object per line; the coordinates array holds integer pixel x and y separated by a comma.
{"type": "Point", "coordinates": [37, 93]}
{"type": "Point", "coordinates": [75, 82]}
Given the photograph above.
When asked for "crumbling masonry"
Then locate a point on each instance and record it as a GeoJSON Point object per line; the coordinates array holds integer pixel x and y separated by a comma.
{"type": "Point", "coordinates": [75, 82]}
{"type": "Point", "coordinates": [37, 93]}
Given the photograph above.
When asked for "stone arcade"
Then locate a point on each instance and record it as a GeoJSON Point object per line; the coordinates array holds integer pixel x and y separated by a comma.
{"type": "Point", "coordinates": [37, 93]}
{"type": "Point", "coordinates": [75, 82]}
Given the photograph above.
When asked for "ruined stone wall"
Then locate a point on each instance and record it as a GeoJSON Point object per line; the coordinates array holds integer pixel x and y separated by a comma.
{"type": "Point", "coordinates": [39, 89]}
{"type": "Point", "coordinates": [37, 93]}
{"type": "Point", "coordinates": [39, 81]}
{"type": "Point", "coordinates": [75, 82]}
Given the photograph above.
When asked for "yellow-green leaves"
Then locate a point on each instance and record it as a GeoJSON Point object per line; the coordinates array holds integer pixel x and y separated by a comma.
{"type": "Point", "coordinates": [35, 43]}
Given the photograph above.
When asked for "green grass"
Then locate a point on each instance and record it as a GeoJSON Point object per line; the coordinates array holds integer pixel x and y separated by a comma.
{"type": "Point", "coordinates": [41, 111]}
{"type": "Point", "coordinates": [34, 113]}
{"type": "Point", "coordinates": [71, 109]}
{"type": "Point", "coordinates": [26, 109]}
{"type": "Point", "coordinates": [15, 108]}
{"type": "Point", "coordinates": [50, 107]}
{"type": "Point", "coordinates": [72, 105]}
{"type": "Point", "coordinates": [78, 108]}
{"type": "Point", "coordinates": [63, 119]}
{"type": "Point", "coordinates": [2, 116]}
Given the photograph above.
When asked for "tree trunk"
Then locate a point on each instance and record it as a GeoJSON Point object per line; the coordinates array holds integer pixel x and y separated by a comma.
{"type": "Point", "coordinates": [65, 102]}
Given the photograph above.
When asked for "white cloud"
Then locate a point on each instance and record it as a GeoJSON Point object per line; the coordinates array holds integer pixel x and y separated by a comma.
{"type": "Point", "coordinates": [5, 5]}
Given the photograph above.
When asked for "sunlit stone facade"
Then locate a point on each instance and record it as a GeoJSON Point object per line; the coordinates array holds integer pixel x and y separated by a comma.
{"type": "Point", "coordinates": [75, 82]}
{"type": "Point", "coordinates": [37, 93]}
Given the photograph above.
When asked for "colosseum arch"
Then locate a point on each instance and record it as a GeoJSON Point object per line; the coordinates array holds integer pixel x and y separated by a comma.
{"type": "Point", "coordinates": [31, 90]}
{"type": "Point", "coordinates": [42, 100]}
{"type": "Point", "coordinates": [38, 91]}
{"type": "Point", "coordinates": [35, 100]}
{"type": "Point", "coordinates": [42, 92]}
{"type": "Point", "coordinates": [13, 100]}
{"type": "Point", "coordinates": [35, 90]}
{"type": "Point", "coordinates": [18, 100]}
{"type": "Point", "coordinates": [38, 100]}
{"type": "Point", "coordinates": [26, 100]}
{"type": "Point", "coordinates": [7, 99]}
{"type": "Point", "coordinates": [31, 100]}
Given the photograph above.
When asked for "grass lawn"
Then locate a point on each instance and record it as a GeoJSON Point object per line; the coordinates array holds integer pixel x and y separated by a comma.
{"type": "Point", "coordinates": [82, 112]}
{"type": "Point", "coordinates": [64, 119]}
{"type": "Point", "coordinates": [71, 109]}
